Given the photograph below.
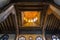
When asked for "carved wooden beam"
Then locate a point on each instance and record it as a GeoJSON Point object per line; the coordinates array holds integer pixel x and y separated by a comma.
{"type": "Point", "coordinates": [5, 13]}
{"type": "Point", "coordinates": [54, 10]}
{"type": "Point", "coordinates": [44, 27]}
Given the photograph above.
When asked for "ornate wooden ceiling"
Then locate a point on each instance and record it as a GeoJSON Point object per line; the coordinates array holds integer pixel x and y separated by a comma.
{"type": "Point", "coordinates": [52, 21]}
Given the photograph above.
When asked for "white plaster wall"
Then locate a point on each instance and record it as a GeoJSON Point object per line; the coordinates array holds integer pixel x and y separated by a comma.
{"type": "Point", "coordinates": [3, 2]}
{"type": "Point", "coordinates": [11, 36]}
{"type": "Point", "coordinates": [57, 2]}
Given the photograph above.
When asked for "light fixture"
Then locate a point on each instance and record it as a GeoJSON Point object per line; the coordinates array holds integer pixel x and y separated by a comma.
{"type": "Point", "coordinates": [30, 18]}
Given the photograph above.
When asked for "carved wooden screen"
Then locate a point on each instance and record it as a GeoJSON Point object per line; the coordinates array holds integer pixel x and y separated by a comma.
{"type": "Point", "coordinates": [8, 20]}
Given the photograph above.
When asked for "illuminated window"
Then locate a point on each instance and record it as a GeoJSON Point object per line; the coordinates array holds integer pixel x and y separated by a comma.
{"type": "Point", "coordinates": [55, 37]}
{"type": "Point", "coordinates": [39, 38]}
{"type": "Point", "coordinates": [58, 39]}
{"type": "Point", "coordinates": [30, 18]}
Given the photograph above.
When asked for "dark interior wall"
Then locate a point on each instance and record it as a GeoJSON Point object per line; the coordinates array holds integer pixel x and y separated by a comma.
{"type": "Point", "coordinates": [47, 1]}
{"type": "Point", "coordinates": [31, 0]}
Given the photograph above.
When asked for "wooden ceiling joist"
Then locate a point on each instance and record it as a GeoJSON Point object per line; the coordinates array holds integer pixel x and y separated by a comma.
{"type": "Point", "coordinates": [54, 10]}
